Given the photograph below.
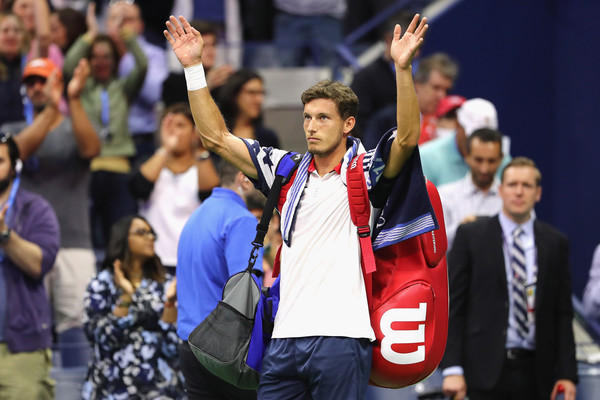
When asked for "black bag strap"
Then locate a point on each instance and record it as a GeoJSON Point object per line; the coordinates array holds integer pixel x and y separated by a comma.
{"type": "Point", "coordinates": [284, 171]}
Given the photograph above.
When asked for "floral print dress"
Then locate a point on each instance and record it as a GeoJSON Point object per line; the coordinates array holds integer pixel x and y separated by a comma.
{"type": "Point", "coordinates": [134, 357]}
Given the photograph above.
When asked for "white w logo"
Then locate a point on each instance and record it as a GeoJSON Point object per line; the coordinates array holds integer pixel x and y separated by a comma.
{"type": "Point", "coordinates": [392, 336]}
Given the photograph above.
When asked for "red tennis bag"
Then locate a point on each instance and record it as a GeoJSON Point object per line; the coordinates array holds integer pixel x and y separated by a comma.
{"type": "Point", "coordinates": [407, 289]}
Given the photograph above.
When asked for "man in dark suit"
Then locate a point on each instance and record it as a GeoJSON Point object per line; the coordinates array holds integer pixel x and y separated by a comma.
{"type": "Point", "coordinates": [510, 333]}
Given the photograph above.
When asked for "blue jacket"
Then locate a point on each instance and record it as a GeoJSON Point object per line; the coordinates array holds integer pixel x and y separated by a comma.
{"type": "Point", "coordinates": [28, 324]}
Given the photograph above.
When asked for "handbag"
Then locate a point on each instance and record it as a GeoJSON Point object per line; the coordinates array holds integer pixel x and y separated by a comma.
{"type": "Point", "coordinates": [230, 341]}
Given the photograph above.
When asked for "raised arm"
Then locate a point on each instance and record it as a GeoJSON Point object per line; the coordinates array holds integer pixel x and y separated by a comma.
{"type": "Point", "coordinates": [402, 51]}
{"type": "Point", "coordinates": [32, 137]}
{"type": "Point", "coordinates": [187, 44]}
{"type": "Point", "coordinates": [88, 143]}
{"type": "Point", "coordinates": [41, 13]}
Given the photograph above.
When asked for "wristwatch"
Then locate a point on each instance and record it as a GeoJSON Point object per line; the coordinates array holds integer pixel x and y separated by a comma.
{"type": "Point", "coordinates": [4, 236]}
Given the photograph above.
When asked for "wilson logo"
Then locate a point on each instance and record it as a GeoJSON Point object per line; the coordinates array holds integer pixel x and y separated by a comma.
{"type": "Point", "coordinates": [395, 336]}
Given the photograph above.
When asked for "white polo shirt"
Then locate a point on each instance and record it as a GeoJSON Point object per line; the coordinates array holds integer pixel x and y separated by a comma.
{"type": "Point", "coordinates": [321, 276]}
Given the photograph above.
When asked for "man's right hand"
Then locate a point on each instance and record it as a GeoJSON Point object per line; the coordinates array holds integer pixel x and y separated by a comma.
{"type": "Point", "coordinates": [454, 387]}
{"type": "Point", "coordinates": [185, 40]}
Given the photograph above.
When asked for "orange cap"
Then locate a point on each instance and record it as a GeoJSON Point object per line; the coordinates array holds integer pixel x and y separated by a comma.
{"type": "Point", "coordinates": [41, 67]}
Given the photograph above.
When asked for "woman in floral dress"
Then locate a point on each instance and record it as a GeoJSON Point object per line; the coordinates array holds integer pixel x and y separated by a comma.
{"type": "Point", "coordinates": [130, 319]}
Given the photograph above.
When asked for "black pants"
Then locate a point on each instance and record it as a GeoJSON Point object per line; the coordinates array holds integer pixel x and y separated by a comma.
{"type": "Point", "coordinates": [201, 384]}
{"type": "Point", "coordinates": [517, 382]}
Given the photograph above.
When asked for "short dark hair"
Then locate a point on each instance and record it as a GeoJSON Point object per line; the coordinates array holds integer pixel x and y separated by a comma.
{"type": "Point", "coordinates": [182, 108]}
{"type": "Point", "coordinates": [440, 62]}
{"type": "Point", "coordinates": [118, 249]}
{"type": "Point", "coordinates": [205, 27]}
{"type": "Point", "coordinates": [523, 162]}
{"type": "Point", "coordinates": [485, 135]}
{"type": "Point", "coordinates": [13, 150]}
{"type": "Point", "coordinates": [227, 173]}
{"type": "Point", "coordinates": [402, 18]}
{"type": "Point", "coordinates": [344, 98]}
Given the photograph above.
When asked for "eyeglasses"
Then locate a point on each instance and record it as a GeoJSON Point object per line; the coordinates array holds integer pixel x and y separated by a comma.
{"type": "Point", "coordinates": [147, 233]}
{"type": "Point", "coordinates": [253, 92]}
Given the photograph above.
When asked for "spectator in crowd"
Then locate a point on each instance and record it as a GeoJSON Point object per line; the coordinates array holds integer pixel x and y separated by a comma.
{"type": "Point", "coordinates": [443, 159]}
{"type": "Point", "coordinates": [510, 332]}
{"type": "Point", "coordinates": [13, 50]}
{"type": "Point", "coordinates": [173, 182]}
{"type": "Point", "coordinates": [215, 243]}
{"type": "Point", "coordinates": [446, 115]}
{"type": "Point", "coordinates": [29, 239]}
{"type": "Point", "coordinates": [476, 194]}
{"type": "Point", "coordinates": [66, 25]}
{"type": "Point", "coordinates": [174, 89]}
{"type": "Point", "coordinates": [434, 77]}
{"type": "Point", "coordinates": [57, 151]}
{"type": "Point", "coordinates": [130, 318]}
{"type": "Point", "coordinates": [591, 294]}
{"type": "Point", "coordinates": [306, 32]}
{"type": "Point", "coordinates": [106, 98]}
{"type": "Point", "coordinates": [143, 111]}
{"type": "Point", "coordinates": [241, 99]}
{"type": "Point", "coordinates": [375, 84]}
{"type": "Point", "coordinates": [324, 354]}
{"type": "Point", "coordinates": [35, 15]}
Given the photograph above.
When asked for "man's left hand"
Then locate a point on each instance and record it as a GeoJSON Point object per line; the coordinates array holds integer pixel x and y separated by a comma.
{"type": "Point", "coordinates": [404, 47]}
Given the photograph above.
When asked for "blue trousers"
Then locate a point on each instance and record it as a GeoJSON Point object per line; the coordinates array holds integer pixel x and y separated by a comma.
{"type": "Point", "coordinates": [316, 367]}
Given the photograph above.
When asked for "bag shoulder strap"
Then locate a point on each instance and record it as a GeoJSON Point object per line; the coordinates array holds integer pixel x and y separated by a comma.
{"type": "Point", "coordinates": [287, 168]}
{"type": "Point", "coordinates": [360, 212]}
{"type": "Point", "coordinates": [283, 172]}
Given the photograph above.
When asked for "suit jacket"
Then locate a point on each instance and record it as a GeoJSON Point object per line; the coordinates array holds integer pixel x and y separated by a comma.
{"type": "Point", "coordinates": [479, 306]}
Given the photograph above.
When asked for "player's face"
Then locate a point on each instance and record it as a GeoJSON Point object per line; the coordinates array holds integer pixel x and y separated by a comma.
{"type": "Point", "coordinates": [324, 127]}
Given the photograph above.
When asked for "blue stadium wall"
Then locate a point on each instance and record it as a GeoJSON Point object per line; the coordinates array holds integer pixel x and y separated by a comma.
{"type": "Point", "coordinates": [538, 61]}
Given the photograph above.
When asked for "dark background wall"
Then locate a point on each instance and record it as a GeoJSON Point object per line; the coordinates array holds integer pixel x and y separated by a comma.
{"type": "Point", "coordinates": [538, 61]}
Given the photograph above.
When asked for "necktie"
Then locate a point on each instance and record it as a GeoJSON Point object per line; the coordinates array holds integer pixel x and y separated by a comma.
{"type": "Point", "coordinates": [519, 279]}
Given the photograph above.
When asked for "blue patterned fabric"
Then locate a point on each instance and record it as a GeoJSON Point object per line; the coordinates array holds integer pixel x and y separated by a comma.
{"type": "Point", "coordinates": [134, 357]}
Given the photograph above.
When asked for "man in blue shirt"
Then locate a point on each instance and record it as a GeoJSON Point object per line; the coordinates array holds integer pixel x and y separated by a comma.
{"type": "Point", "coordinates": [215, 243]}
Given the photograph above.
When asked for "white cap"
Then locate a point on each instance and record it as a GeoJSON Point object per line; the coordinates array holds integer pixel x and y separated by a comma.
{"type": "Point", "coordinates": [476, 114]}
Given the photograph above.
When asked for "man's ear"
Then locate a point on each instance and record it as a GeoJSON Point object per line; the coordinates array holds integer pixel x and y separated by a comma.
{"type": "Point", "coordinates": [538, 195]}
{"type": "Point", "coordinates": [349, 125]}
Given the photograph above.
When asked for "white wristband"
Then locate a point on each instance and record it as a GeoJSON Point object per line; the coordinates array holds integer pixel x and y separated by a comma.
{"type": "Point", "coordinates": [194, 77]}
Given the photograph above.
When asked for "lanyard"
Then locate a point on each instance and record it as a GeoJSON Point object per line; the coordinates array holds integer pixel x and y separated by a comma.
{"type": "Point", "coordinates": [11, 198]}
{"type": "Point", "coordinates": [27, 105]}
{"type": "Point", "coordinates": [13, 191]}
{"type": "Point", "coordinates": [105, 114]}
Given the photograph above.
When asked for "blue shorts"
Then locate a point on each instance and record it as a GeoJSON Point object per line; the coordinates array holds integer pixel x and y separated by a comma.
{"type": "Point", "coordinates": [316, 367]}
